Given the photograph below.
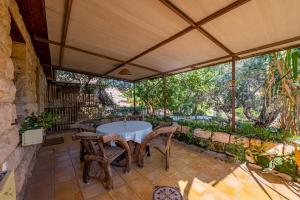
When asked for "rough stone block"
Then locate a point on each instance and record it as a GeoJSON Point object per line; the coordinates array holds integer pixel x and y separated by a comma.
{"type": "Point", "coordinates": [255, 142]}
{"type": "Point", "coordinates": [6, 68]}
{"type": "Point", "coordinates": [288, 149]}
{"type": "Point", "coordinates": [273, 148]}
{"type": "Point", "coordinates": [7, 90]}
{"type": "Point", "coordinates": [220, 137]}
{"type": "Point", "coordinates": [185, 129]}
{"type": "Point", "coordinates": [235, 139]}
{"type": "Point", "coordinates": [7, 116]}
{"type": "Point", "coordinates": [9, 139]}
{"type": "Point", "coordinates": [202, 134]}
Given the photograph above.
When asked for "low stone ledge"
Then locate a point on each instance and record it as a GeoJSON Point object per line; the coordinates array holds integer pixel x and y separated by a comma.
{"type": "Point", "coordinates": [288, 149]}
{"type": "Point", "coordinates": [220, 137]}
{"type": "Point", "coordinates": [273, 148]}
{"type": "Point", "coordinates": [255, 142]}
{"type": "Point", "coordinates": [235, 139]}
{"type": "Point", "coordinates": [184, 129]}
{"type": "Point", "coordinates": [202, 134]}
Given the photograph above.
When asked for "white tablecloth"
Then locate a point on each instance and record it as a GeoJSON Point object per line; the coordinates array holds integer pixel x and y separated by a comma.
{"type": "Point", "coordinates": [134, 130]}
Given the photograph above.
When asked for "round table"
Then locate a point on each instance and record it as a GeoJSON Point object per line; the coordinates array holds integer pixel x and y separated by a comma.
{"type": "Point", "coordinates": [134, 131]}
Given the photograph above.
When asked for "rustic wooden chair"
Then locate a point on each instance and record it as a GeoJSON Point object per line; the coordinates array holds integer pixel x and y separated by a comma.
{"type": "Point", "coordinates": [156, 140]}
{"type": "Point", "coordinates": [98, 150]}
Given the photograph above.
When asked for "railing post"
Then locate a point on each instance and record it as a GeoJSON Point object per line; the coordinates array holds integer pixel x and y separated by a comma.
{"type": "Point", "coordinates": [134, 103]}
{"type": "Point", "coordinates": [164, 95]}
{"type": "Point", "coordinates": [233, 93]}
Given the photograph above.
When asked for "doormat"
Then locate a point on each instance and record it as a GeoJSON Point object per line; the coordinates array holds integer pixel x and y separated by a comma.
{"type": "Point", "coordinates": [53, 141]}
{"type": "Point", "coordinates": [166, 193]}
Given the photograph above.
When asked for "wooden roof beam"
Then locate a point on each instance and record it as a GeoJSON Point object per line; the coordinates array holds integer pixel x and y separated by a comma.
{"type": "Point", "coordinates": [65, 26]}
{"type": "Point", "coordinates": [55, 67]}
{"type": "Point", "coordinates": [186, 18]}
{"type": "Point", "coordinates": [91, 53]}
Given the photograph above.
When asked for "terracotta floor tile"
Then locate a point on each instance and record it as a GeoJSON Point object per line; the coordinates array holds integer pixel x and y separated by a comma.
{"type": "Point", "coordinates": [92, 190]}
{"type": "Point", "coordinates": [142, 187]}
{"type": "Point", "coordinates": [199, 175]}
{"type": "Point", "coordinates": [104, 196]}
{"type": "Point", "coordinates": [123, 193]}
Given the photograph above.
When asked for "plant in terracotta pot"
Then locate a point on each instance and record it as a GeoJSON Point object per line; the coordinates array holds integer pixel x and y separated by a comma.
{"type": "Point", "coordinates": [33, 126]}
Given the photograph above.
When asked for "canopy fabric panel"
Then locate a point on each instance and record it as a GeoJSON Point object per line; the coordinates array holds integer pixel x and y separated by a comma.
{"type": "Point", "coordinates": [257, 23]}
{"type": "Point", "coordinates": [120, 28]}
{"type": "Point", "coordinates": [199, 9]}
{"type": "Point", "coordinates": [80, 61]}
{"type": "Point", "coordinates": [152, 37]}
{"type": "Point", "coordinates": [55, 15]}
{"type": "Point", "coordinates": [192, 47]}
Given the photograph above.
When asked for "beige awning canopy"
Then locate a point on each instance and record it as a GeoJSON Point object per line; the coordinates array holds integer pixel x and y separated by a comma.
{"type": "Point", "coordinates": [152, 37]}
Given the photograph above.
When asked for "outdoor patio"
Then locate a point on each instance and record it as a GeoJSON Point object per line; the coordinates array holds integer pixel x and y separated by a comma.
{"type": "Point", "coordinates": [199, 175]}
{"type": "Point", "coordinates": [61, 60]}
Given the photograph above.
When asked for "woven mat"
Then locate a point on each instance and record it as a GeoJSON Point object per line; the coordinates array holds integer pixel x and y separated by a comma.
{"type": "Point", "coordinates": [166, 193]}
{"type": "Point", "coordinates": [53, 141]}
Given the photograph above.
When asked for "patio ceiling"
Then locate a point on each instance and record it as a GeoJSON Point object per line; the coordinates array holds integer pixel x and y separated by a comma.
{"type": "Point", "coordinates": [152, 37]}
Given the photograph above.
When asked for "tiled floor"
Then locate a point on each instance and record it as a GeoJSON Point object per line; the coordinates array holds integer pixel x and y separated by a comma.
{"type": "Point", "coordinates": [199, 175]}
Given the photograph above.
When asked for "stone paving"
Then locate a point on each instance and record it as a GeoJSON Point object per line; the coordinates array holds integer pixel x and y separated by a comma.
{"type": "Point", "coordinates": [199, 175]}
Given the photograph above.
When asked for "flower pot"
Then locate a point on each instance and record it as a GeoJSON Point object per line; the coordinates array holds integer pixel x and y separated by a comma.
{"type": "Point", "coordinates": [7, 186]}
{"type": "Point", "coordinates": [34, 136]}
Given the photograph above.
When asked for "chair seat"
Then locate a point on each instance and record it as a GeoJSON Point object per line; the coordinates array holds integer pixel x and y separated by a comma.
{"type": "Point", "coordinates": [113, 152]}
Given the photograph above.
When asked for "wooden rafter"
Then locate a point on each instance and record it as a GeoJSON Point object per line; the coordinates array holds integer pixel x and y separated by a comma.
{"type": "Point", "coordinates": [92, 53]}
{"type": "Point", "coordinates": [271, 45]}
{"type": "Point", "coordinates": [186, 18]}
{"type": "Point", "coordinates": [66, 20]}
{"type": "Point", "coordinates": [213, 16]}
{"type": "Point", "coordinates": [55, 67]}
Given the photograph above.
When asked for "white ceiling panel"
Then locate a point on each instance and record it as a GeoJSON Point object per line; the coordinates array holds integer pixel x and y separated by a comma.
{"type": "Point", "coordinates": [54, 15]}
{"type": "Point", "coordinates": [85, 62]}
{"type": "Point", "coordinates": [199, 9]}
{"type": "Point", "coordinates": [189, 49]}
{"type": "Point", "coordinates": [257, 23]}
{"type": "Point", "coordinates": [121, 29]}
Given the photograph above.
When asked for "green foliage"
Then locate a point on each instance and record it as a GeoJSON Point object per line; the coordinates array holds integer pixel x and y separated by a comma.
{"type": "Point", "coordinates": [236, 150]}
{"type": "Point", "coordinates": [204, 143]}
{"type": "Point", "coordinates": [217, 146]}
{"type": "Point", "coordinates": [262, 161]}
{"type": "Point", "coordinates": [266, 134]}
{"type": "Point", "coordinates": [190, 138]}
{"type": "Point", "coordinates": [33, 121]}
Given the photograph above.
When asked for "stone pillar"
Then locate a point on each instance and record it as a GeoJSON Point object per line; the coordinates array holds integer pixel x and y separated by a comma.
{"type": "Point", "coordinates": [25, 80]}
{"type": "Point", "coordinates": [9, 136]}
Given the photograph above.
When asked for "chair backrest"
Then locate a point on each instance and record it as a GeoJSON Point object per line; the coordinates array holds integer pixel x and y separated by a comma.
{"type": "Point", "coordinates": [165, 130]}
{"type": "Point", "coordinates": [94, 143]}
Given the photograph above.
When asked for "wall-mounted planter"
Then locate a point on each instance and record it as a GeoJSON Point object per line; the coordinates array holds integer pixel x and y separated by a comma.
{"type": "Point", "coordinates": [34, 136]}
{"type": "Point", "coordinates": [8, 187]}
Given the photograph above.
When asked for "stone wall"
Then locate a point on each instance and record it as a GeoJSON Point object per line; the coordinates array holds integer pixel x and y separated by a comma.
{"type": "Point", "coordinates": [22, 90]}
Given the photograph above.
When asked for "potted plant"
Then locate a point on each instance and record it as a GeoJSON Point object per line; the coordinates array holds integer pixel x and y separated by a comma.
{"type": "Point", "coordinates": [33, 126]}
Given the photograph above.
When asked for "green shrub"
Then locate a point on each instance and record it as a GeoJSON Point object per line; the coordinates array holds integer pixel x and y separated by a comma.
{"type": "Point", "coordinates": [262, 161]}
{"type": "Point", "coordinates": [236, 150]}
{"type": "Point", "coordinates": [204, 143]}
{"type": "Point", "coordinates": [284, 165]}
